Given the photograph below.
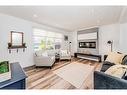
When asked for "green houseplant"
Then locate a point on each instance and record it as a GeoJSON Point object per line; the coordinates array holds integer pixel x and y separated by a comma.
{"type": "Point", "coordinates": [4, 67]}
{"type": "Point", "coordinates": [5, 71]}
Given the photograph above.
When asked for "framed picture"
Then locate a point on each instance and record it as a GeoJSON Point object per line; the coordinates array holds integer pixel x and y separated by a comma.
{"type": "Point", "coordinates": [5, 71]}
{"type": "Point", "coordinates": [65, 38]}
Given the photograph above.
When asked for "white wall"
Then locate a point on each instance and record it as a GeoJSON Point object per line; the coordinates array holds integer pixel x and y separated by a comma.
{"type": "Point", "coordinates": [123, 31]}
{"type": "Point", "coordinates": [74, 42]}
{"type": "Point", "coordinates": [123, 38]}
{"type": "Point", "coordinates": [10, 23]}
{"type": "Point", "coordinates": [106, 32]}
{"type": "Point", "coordinates": [7, 24]}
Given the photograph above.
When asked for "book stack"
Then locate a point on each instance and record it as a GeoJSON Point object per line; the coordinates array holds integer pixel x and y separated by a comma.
{"type": "Point", "coordinates": [5, 71]}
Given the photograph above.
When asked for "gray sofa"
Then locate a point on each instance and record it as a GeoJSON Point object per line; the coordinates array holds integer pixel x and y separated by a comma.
{"type": "Point", "coordinates": [104, 81]}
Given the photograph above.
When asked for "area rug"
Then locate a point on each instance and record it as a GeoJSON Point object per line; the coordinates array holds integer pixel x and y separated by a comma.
{"type": "Point", "coordinates": [75, 73]}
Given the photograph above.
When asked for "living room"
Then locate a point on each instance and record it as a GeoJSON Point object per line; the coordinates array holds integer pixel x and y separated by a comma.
{"type": "Point", "coordinates": [45, 44]}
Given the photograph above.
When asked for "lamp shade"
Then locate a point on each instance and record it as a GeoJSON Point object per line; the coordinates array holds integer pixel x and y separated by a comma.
{"type": "Point", "coordinates": [109, 42]}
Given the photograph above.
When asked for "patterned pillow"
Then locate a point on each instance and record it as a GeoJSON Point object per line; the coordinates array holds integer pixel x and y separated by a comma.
{"type": "Point", "coordinates": [117, 71]}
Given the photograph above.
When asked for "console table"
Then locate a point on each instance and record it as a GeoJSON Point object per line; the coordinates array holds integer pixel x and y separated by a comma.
{"type": "Point", "coordinates": [18, 78]}
{"type": "Point", "coordinates": [91, 56]}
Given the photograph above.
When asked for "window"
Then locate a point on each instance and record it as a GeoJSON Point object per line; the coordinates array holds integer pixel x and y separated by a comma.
{"type": "Point", "coordinates": [46, 39]}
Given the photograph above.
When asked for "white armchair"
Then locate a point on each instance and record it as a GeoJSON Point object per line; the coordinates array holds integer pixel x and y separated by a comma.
{"type": "Point", "coordinates": [64, 54]}
{"type": "Point", "coordinates": [43, 59]}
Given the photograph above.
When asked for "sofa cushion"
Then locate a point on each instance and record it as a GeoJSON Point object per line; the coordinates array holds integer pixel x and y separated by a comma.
{"type": "Point", "coordinates": [64, 53]}
{"type": "Point", "coordinates": [115, 57]}
{"type": "Point", "coordinates": [45, 54]}
{"type": "Point", "coordinates": [117, 71]}
{"type": "Point", "coordinates": [41, 53]}
{"type": "Point", "coordinates": [51, 52]}
{"type": "Point", "coordinates": [124, 62]}
{"type": "Point", "coordinates": [104, 81]}
{"type": "Point", "coordinates": [106, 65]}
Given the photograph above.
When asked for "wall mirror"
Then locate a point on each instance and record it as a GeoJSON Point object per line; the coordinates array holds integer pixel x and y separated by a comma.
{"type": "Point", "coordinates": [16, 41]}
{"type": "Point", "coordinates": [16, 38]}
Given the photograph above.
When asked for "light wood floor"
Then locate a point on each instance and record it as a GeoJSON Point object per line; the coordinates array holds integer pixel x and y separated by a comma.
{"type": "Point", "coordinates": [44, 78]}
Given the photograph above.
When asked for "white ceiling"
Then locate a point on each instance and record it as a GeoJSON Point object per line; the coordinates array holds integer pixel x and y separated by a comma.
{"type": "Point", "coordinates": [66, 17]}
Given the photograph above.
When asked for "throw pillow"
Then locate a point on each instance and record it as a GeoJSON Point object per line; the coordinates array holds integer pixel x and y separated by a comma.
{"type": "Point", "coordinates": [39, 53]}
{"type": "Point", "coordinates": [115, 57]}
{"type": "Point", "coordinates": [64, 52]}
{"type": "Point", "coordinates": [124, 62]}
{"type": "Point", "coordinates": [117, 71]}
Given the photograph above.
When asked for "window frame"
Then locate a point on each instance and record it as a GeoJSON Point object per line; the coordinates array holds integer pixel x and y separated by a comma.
{"type": "Point", "coordinates": [47, 37]}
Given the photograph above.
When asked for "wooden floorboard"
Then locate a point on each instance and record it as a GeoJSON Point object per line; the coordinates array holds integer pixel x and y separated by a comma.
{"type": "Point", "coordinates": [44, 78]}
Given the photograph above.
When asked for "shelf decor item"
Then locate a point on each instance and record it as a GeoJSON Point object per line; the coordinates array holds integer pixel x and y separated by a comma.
{"type": "Point", "coordinates": [16, 41]}
{"type": "Point", "coordinates": [5, 71]}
